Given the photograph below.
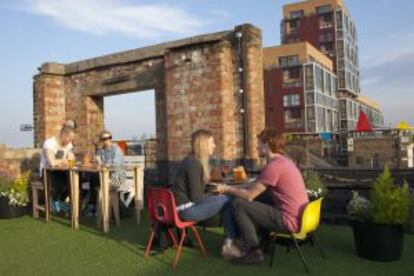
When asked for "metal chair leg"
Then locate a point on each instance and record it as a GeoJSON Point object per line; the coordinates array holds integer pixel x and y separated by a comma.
{"type": "Point", "coordinates": [315, 239]}
{"type": "Point", "coordinates": [272, 253]}
{"type": "Point", "coordinates": [300, 253]}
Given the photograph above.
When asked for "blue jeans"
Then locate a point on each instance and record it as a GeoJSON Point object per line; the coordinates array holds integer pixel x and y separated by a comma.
{"type": "Point", "coordinates": [209, 207]}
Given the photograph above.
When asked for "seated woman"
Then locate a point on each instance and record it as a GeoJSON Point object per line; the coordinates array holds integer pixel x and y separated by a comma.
{"type": "Point", "coordinates": [110, 154]}
{"type": "Point", "coordinates": [107, 153]}
{"type": "Point", "coordinates": [193, 204]}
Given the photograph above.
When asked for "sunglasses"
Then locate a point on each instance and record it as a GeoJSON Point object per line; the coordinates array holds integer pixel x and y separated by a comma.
{"type": "Point", "coordinates": [106, 138]}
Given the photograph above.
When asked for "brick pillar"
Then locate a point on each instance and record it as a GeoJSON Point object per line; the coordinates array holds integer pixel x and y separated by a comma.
{"type": "Point", "coordinates": [90, 122]}
{"type": "Point", "coordinates": [229, 138]}
{"type": "Point", "coordinates": [253, 78]}
{"type": "Point", "coordinates": [48, 102]}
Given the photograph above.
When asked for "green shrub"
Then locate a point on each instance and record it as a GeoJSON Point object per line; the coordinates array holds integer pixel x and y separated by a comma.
{"type": "Point", "coordinates": [390, 204]}
{"type": "Point", "coordinates": [314, 185]}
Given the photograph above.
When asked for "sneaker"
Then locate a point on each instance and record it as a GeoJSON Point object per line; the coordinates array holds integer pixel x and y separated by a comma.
{"type": "Point", "coordinates": [64, 207]}
{"type": "Point", "coordinates": [54, 206]}
{"type": "Point", "coordinates": [230, 251]}
{"type": "Point", "coordinates": [254, 256]}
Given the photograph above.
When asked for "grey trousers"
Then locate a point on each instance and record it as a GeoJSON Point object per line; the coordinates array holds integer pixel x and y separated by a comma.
{"type": "Point", "coordinates": [251, 215]}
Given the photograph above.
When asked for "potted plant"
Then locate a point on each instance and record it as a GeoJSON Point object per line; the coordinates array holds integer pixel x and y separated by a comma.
{"type": "Point", "coordinates": [314, 185]}
{"type": "Point", "coordinates": [409, 227]}
{"type": "Point", "coordinates": [378, 223]}
{"type": "Point", "coordinates": [14, 195]}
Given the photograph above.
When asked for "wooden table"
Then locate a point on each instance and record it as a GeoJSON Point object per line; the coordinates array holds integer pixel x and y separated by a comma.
{"type": "Point", "coordinates": [103, 202]}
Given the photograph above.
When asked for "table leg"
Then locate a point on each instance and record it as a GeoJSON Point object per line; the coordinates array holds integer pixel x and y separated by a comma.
{"type": "Point", "coordinates": [99, 204]}
{"type": "Point", "coordinates": [47, 195]}
{"type": "Point", "coordinates": [72, 223]}
{"type": "Point", "coordinates": [105, 200]}
{"type": "Point", "coordinates": [75, 198]}
{"type": "Point", "coordinates": [138, 187]}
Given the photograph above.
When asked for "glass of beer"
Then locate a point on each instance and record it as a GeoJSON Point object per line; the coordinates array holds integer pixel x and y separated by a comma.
{"type": "Point", "coordinates": [71, 163]}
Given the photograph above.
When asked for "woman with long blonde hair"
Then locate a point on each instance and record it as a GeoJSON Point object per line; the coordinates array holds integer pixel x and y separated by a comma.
{"type": "Point", "coordinates": [193, 204]}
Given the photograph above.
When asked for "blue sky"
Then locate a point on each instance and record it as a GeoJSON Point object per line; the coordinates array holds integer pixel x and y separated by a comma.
{"type": "Point", "coordinates": [37, 31]}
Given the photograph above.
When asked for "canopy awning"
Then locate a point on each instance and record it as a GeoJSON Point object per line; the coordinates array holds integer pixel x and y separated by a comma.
{"type": "Point", "coordinates": [363, 123]}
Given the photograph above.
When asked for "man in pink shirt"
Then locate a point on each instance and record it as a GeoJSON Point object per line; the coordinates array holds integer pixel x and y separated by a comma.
{"type": "Point", "coordinates": [284, 182]}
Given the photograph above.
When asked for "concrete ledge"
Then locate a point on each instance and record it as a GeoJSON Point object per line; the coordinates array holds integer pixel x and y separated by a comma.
{"type": "Point", "coordinates": [53, 68]}
{"type": "Point", "coordinates": [141, 53]}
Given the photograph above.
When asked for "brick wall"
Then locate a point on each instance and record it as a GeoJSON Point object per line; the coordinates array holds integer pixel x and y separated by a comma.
{"type": "Point", "coordinates": [13, 162]}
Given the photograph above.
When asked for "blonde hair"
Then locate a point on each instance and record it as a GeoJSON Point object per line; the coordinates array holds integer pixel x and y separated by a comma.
{"type": "Point", "coordinates": [199, 146]}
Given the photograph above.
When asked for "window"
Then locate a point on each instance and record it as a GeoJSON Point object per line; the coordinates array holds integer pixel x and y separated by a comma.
{"type": "Point", "coordinates": [319, 78]}
{"type": "Point", "coordinates": [325, 21]}
{"type": "Point", "coordinates": [296, 14]}
{"type": "Point", "coordinates": [338, 17]}
{"type": "Point", "coordinates": [323, 9]}
{"type": "Point", "coordinates": [288, 61]}
{"type": "Point", "coordinates": [326, 37]}
{"type": "Point", "coordinates": [294, 73]}
{"type": "Point", "coordinates": [293, 114]}
{"type": "Point", "coordinates": [310, 98]}
{"type": "Point", "coordinates": [320, 118]}
{"type": "Point", "coordinates": [309, 77]}
{"type": "Point", "coordinates": [291, 100]}
{"type": "Point", "coordinates": [329, 120]}
{"type": "Point", "coordinates": [310, 112]}
{"type": "Point", "coordinates": [294, 25]}
{"type": "Point", "coordinates": [328, 83]}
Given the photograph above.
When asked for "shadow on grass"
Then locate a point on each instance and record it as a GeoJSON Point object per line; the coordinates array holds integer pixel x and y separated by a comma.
{"type": "Point", "coordinates": [134, 237]}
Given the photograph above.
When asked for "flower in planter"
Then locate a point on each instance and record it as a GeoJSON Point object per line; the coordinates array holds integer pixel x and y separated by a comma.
{"type": "Point", "coordinates": [16, 190]}
{"type": "Point", "coordinates": [314, 185]}
{"type": "Point", "coordinates": [359, 208]}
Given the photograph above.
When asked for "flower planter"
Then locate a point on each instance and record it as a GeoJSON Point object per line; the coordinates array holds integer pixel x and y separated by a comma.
{"type": "Point", "coordinates": [409, 227]}
{"type": "Point", "coordinates": [7, 211]}
{"type": "Point", "coordinates": [378, 242]}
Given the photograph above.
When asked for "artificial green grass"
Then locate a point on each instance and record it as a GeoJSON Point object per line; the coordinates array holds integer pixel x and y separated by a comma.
{"type": "Point", "coordinates": [31, 247]}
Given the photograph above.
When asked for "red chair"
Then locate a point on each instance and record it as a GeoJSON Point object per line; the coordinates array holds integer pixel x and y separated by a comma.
{"type": "Point", "coordinates": [162, 210]}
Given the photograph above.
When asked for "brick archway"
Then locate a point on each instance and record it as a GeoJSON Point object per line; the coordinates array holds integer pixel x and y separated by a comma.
{"type": "Point", "coordinates": [212, 81]}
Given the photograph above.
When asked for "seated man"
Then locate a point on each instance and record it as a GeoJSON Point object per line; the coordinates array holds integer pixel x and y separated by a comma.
{"type": "Point", "coordinates": [284, 181]}
{"type": "Point", "coordinates": [55, 153]}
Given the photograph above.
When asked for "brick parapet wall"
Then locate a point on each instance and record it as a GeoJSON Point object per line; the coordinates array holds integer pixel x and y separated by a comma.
{"type": "Point", "coordinates": [13, 162]}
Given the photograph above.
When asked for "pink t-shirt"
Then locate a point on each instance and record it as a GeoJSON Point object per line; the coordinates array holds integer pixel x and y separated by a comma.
{"type": "Point", "coordinates": [287, 189]}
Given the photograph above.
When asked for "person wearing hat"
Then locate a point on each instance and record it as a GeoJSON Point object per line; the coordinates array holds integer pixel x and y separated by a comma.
{"type": "Point", "coordinates": [111, 155]}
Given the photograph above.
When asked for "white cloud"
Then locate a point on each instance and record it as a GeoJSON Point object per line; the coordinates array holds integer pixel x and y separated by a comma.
{"type": "Point", "coordinates": [102, 17]}
{"type": "Point", "coordinates": [388, 48]}
{"type": "Point", "coordinates": [370, 81]}
{"type": "Point", "coordinates": [220, 13]}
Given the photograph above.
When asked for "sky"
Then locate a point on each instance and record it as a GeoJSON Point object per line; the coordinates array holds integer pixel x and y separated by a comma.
{"type": "Point", "coordinates": [36, 31]}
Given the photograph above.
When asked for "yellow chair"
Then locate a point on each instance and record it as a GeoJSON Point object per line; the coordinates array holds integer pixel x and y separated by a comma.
{"type": "Point", "coordinates": [310, 223]}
